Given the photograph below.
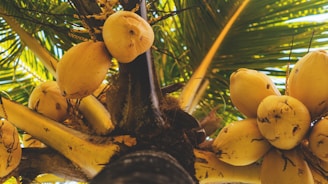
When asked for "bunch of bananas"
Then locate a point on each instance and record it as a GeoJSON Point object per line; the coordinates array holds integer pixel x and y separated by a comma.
{"type": "Point", "coordinates": [278, 128]}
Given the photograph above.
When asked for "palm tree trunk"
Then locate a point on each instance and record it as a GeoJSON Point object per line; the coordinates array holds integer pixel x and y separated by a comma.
{"type": "Point", "coordinates": [146, 166]}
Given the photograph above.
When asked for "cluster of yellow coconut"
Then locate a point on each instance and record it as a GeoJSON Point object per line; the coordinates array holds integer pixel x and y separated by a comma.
{"type": "Point", "coordinates": [79, 73]}
{"type": "Point", "coordinates": [278, 128]}
{"type": "Point", "coordinates": [83, 67]}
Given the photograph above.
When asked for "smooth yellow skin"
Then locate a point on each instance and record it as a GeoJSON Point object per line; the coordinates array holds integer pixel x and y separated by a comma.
{"type": "Point", "coordinates": [46, 99]}
{"type": "Point", "coordinates": [240, 143]}
{"type": "Point", "coordinates": [248, 88]}
{"type": "Point", "coordinates": [209, 169]}
{"type": "Point", "coordinates": [285, 167]}
{"type": "Point", "coordinates": [283, 121]}
{"type": "Point", "coordinates": [10, 150]}
{"type": "Point", "coordinates": [82, 69]}
{"type": "Point", "coordinates": [308, 82]}
{"type": "Point", "coordinates": [127, 35]}
{"type": "Point", "coordinates": [318, 139]}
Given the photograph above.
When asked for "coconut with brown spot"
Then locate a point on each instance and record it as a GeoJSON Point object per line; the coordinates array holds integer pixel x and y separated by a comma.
{"type": "Point", "coordinates": [127, 35]}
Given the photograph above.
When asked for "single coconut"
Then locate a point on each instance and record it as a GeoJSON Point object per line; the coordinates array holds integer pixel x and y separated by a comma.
{"type": "Point", "coordinates": [10, 149]}
{"type": "Point", "coordinates": [82, 69]}
{"type": "Point", "coordinates": [46, 99]}
{"type": "Point", "coordinates": [127, 35]}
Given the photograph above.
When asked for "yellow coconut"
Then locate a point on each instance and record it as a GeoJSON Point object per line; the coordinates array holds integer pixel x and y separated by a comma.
{"type": "Point", "coordinates": [285, 167]}
{"type": "Point", "coordinates": [283, 121]}
{"type": "Point", "coordinates": [82, 69]}
{"type": "Point", "coordinates": [10, 149]}
{"type": "Point", "coordinates": [248, 88]}
{"type": "Point", "coordinates": [240, 143]}
{"type": "Point", "coordinates": [46, 99]}
{"type": "Point", "coordinates": [127, 35]}
{"type": "Point", "coordinates": [308, 82]}
{"type": "Point", "coordinates": [318, 139]}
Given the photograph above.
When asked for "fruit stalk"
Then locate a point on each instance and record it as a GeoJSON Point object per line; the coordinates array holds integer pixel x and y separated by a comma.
{"type": "Point", "coordinates": [76, 146]}
{"type": "Point", "coordinates": [97, 115]}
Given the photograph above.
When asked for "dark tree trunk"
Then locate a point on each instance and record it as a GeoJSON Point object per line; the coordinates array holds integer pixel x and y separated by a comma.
{"type": "Point", "coordinates": [141, 167]}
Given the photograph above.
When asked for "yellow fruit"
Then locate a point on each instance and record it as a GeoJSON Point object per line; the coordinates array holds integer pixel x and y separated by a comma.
{"type": "Point", "coordinates": [248, 88]}
{"type": "Point", "coordinates": [10, 150]}
{"type": "Point", "coordinates": [46, 99]}
{"type": "Point", "coordinates": [240, 143]}
{"type": "Point", "coordinates": [82, 69]}
{"type": "Point", "coordinates": [318, 139]}
{"type": "Point", "coordinates": [285, 167]}
{"type": "Point", "coordinates": [308, 82]}
{"type": "Point", "coordinates": [209, 169]}
{"type": "Point", "coordinates": [283, 121]}
{"type": "Point", "coordinates": [127, 35]}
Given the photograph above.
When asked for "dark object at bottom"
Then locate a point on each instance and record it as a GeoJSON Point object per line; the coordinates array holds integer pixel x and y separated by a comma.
{"type": "Point", "coordinates": [144, 167]}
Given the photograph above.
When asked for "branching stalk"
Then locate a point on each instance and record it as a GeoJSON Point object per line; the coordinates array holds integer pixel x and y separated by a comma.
{"type": "Point", "coordinates": [88, 155]}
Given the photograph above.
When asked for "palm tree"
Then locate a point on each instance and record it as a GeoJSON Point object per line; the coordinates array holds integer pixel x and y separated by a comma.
{"type": "Point", "coordinates": [198, 44]}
